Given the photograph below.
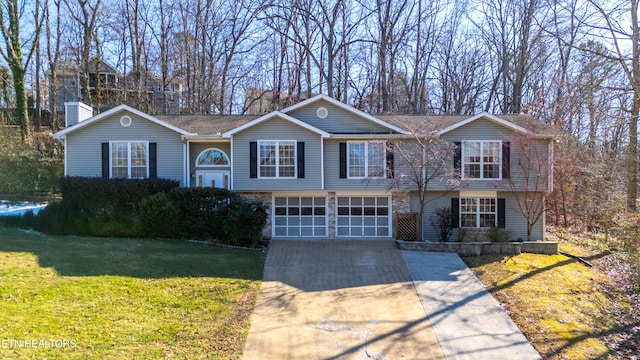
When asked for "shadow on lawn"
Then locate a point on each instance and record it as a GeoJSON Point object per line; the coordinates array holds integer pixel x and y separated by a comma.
{"type": "Point", "coordinates": [623, 340]}
{"type": "Point", "coordinates": [87, 256]}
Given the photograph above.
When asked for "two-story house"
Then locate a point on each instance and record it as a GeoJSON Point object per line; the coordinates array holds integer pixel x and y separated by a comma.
{"type": "Point", "coordinates": [108, 88]}
{"type": "Point", "coordinates": [327, 170]}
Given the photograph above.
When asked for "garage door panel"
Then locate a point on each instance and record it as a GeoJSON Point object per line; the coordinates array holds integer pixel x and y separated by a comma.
{"type": "Point", "coordinates": [363, 216]}
{"type": "Point", "coordinates": [296, 216]}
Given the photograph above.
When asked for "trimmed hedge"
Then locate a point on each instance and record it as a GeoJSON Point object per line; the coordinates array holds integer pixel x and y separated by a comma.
{"type": "Point", "coordinates": [110, 198]}
{"type": "Point", "coordinates": [203, 213]}
{"type": "Point", "coordinates": [150, 208]}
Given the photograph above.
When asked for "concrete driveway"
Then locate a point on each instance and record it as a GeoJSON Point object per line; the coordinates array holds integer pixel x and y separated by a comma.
{"type": "Point", "coordinates": [469, 323]}
{"type": "Point", "coordinates": [338, 299]}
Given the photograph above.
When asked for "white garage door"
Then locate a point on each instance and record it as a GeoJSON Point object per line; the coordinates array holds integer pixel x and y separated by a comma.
{"type": "Point", "coordinates": [300, 216]}
{"type": "Point", "coordinates": [363, 216]}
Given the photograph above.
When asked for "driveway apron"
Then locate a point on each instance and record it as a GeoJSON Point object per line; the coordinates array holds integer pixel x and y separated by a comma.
{"type": "Point", "coordinates": [338, 299]}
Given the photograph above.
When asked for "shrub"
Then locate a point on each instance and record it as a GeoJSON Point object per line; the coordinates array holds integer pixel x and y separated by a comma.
{"type": "Point", "coordinates": [244, 222]}
{"type": "Point", "coordinates": [201, 211]}
{"type": "Point", "coordinates": [442, 223]}
{"type": "Point", "coordinates": [159, 216]}
{"type": "Point", "coordinates": [60, 218]}
{"type": "Point", "coordinates": [115, 228]}
{"type": "Point", "coordinates": [111, 198]}
{"type": "Point", "coordinates": [496, 234]}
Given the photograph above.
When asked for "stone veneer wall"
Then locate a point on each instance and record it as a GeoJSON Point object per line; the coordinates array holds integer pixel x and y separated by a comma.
{"type": "Point", "coordinates": [264, 197]}
{"type": "Point", "coordinates": [331, 214]}
{"type": "Point", "coordinates": [401, 202]}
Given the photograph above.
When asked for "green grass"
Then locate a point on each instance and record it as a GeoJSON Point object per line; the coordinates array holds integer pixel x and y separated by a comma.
{"type": "Point", "coordinates": [566, 309]}
{"type": "Point", "coordinates": [124, 298]}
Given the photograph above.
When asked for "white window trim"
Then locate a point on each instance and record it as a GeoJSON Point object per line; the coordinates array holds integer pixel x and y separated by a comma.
{"type": "Point", "coordinates": [477, 212]}
{"type": "Point", "coordinates": [482, 163]}
{"type": "Point", "coordinates": [295, 159]}
{"type": "Point", "coordinates": [366, 160]}
{"type": "Point", "coordinates": [214, 165]}
{"type": "Point", "coordinates": [128, 142]}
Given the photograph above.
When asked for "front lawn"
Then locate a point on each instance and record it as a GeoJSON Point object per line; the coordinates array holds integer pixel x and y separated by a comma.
{"type": "Point", "coordinates": [101, 298]}
{"type": "Point", "coordinates": [566, 309]}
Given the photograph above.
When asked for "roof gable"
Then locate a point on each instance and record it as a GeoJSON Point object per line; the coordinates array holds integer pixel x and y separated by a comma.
{"type": "Point", "coordinates": [81, 125]}
{"type": "Point", "coordinates": [272, 115]}
{"type": "Point", "coordinates": [346, 108]}
{"type": "Point", "coordinates": [486, 116]}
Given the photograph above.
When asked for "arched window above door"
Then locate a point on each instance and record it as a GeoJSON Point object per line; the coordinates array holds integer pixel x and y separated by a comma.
{"type": "Point", "coordinates": [212, 157]}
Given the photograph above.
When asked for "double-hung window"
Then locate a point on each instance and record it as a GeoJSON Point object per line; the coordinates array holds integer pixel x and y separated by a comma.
{"type": "Point", "coordinates": [277, 159]}
{"type": "Point", "coordinates": [130, 159]}
{"type": "Point", "coordinates": [478, 212]}
{"type": "Point", "coordinates": [481, 159]}
{"type": "Point", "coordinates": [366, 159]}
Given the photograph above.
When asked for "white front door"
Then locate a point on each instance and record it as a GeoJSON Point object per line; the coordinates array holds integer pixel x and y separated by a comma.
{"type": "Point", "coordinates": [213, 178]}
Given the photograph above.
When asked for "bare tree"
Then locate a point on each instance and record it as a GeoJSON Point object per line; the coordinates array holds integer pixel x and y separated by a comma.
{"type": "Point", "coordinates": [12, 52]}
{"type": "Point", "coordinates": [423, 163]}
{"type": "Point", "coordinates": [53, 35]}
{"type": "Point", "coordinates": [85, 14]}
{"type": "Point", "coordinates": [617, 23]}
{"type": "Point", "coordinates": [530, 177]}
{"type": "Point", "coordinates": [513, 36]}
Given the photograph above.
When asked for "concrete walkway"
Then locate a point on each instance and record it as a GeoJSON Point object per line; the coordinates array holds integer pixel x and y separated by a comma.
{"type": "Point", "coordinates": [338, 299]}
{"type": "Point", "coordinates": [468, 321]}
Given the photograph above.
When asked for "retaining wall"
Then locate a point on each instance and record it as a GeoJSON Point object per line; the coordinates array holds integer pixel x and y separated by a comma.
{"type": "Point", "coordinates": [481, 248]}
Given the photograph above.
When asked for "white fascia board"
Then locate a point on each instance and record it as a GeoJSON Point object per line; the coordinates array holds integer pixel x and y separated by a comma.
{"type": "Point", "coordinates": [276, 114]}
{"type": "Point", "coordinates": [203, 138]}
{"type": "Point", "coordinates": [371, 136]}
{"type": "Point", "coordinates": [345, 107]}
{"type": "Point", "coordinates": [114, 110]}
{"type": "Point", "coordinates": [487, 116]}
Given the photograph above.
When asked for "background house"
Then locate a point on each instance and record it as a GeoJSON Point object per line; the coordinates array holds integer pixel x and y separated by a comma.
{"type": "Point", "coordinates": [107, 88]}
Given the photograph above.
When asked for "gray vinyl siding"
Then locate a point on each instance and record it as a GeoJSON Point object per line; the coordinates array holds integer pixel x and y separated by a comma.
{"type": "Point", "coordinates": [276, 129]}
{"type": "Point", "coordinates": [537, 149]}
{"type": "Point", "coordinates": [84, 152]}
{"type": "Point", "coordinates": [195, 148]}
{"type": "Point", "coordinates": [435, 200]}
{"type": "Point", "coordinates": [339, 121]}
{"type": "Point", "coordinates": [332, 172]}
{"type": "Point", "coordinates": [515, 220]}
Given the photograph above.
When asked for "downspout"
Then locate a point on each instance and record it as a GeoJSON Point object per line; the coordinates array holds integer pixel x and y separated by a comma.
{"type": "Point", "coordinates": [321, 163]}
{"type": "Point", "coordinates": [187, 176]}
{"type": "Point", "coordinates": [64, 144]}
{"type": "Point", "coordinates": [231, 167]}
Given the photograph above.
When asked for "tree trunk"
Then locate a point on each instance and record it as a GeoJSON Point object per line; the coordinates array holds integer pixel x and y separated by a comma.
{"type": "Point", "coordinates": [22, 113]}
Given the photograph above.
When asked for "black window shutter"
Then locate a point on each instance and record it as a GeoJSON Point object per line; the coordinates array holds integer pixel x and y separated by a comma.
{"type": "Point", "coordinates": [153, 160]}
{"type": "Point", "coordinates": [455, 212]}
{"type": "Point", "coordinates": [253, 159]}
{"type": "Point", "coordinates": [506, 160]}
{"type": "Point", "coordinates": [300, 155]}
{"type": "Point", "coordinates": [390, 170]}
{"type": "Point", "coordinates": [343, 160]}
{"type": "Point", "coordinates": [501, 213]}
{"type": "Point", "coordinates": [457, 157]}
{"type": "Point", "coordinates": [105, 160]}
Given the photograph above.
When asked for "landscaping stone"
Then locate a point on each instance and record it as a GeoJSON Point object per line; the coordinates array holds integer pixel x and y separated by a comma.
{"type": "Point", "coordinates": [481, 247]}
